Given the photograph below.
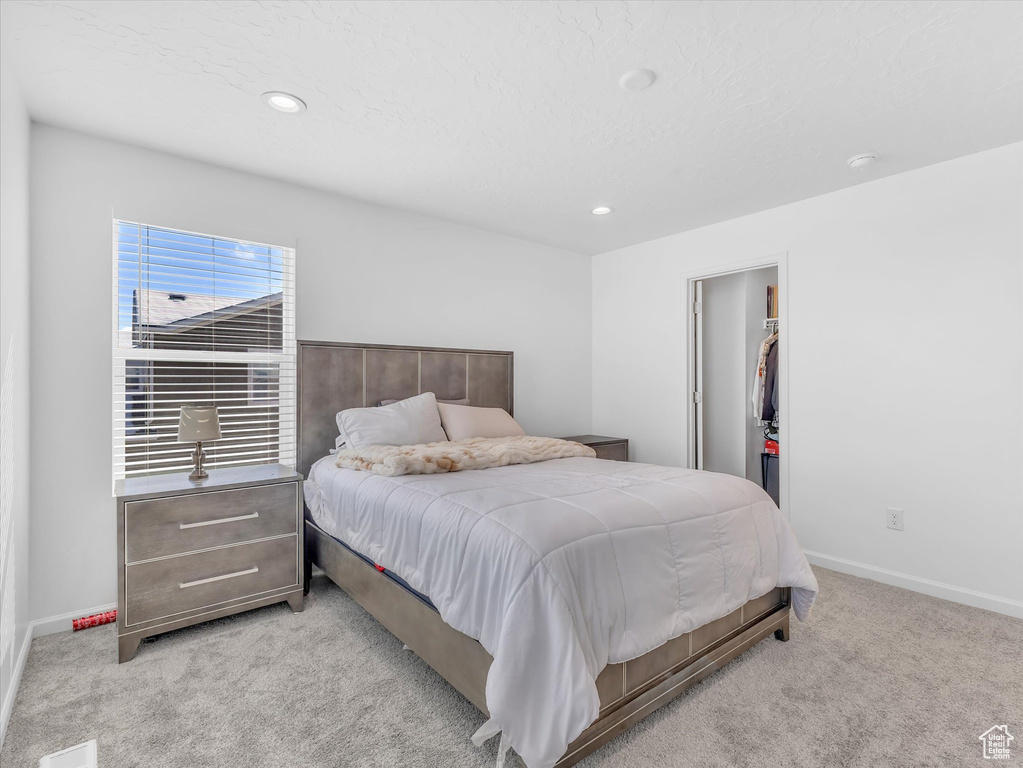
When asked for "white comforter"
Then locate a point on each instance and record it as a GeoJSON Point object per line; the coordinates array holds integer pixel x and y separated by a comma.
{"type": "Point", "coordinates": [561, 567]}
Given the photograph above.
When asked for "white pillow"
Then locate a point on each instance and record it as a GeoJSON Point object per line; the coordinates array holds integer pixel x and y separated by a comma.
{"type": "Point", "coordinates": [407, 422]}
{"type": "Point", "coordinates": [464, 421]}
{"type": "Point", "coordinates": [463, 401]}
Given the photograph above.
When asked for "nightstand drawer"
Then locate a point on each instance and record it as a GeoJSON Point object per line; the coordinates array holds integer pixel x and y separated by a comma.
{"type": "Point", "coordinates": [613, 451]}
{"type": "Point", "coordinates": [162, 588]}
{"type": "Point", "coordinates": [179, 524]}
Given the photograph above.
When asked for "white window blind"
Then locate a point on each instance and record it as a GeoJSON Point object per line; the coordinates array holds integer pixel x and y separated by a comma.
{"type": "Point", "coordinates": [201, 320]}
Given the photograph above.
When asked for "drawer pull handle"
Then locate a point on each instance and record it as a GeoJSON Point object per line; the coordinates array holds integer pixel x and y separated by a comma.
{"type": "Point", "coordinates": [185, 526]}
{"type": "Point", "coordinates": [188, 584]}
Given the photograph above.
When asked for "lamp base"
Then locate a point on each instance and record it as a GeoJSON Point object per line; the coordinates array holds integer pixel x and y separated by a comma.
{"type": "Point", "coordinates": [198, 457]}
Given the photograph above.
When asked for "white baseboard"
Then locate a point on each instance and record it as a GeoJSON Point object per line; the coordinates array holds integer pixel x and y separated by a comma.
{"type": "Point", "coordinates": [12, 691]}
{"type": "Point", "coordinates": [62, 623]}
{"type": "Point", "coordinates": [916, 584]}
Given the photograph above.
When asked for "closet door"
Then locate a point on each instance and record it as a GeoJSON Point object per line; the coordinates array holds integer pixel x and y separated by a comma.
{"type": "Point", "coordinates": [696, 396]}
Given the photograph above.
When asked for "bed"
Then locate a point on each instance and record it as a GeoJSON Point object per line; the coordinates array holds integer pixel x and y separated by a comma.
{"type": "Point", "coordinates": [619, 675]}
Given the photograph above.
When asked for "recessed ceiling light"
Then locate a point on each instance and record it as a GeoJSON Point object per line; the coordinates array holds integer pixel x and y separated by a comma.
{"type": "Point", "coordinates": [862, 161]}
{"type": "Point", "coordinates": [637, 80]}
{"type": "Point", "coordinates": [284, 102]}
{"type": "Point", "coordinates": [601, 210]}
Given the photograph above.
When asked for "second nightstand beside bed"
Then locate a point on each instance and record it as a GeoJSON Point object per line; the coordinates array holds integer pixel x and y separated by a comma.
{"type": "Point", "coordinates": [614, 448]}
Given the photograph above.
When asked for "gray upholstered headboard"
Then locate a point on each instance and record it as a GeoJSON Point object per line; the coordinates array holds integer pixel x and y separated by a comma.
{"type": "Point", "coordinates": [333, 376]}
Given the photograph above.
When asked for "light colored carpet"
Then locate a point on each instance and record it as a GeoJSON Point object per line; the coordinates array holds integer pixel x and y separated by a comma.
{"type": "Point", "coordinates": [878, 677]}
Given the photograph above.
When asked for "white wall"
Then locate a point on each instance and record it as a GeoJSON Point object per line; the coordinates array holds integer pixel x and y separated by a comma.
{"type": "Point", "coordinates": [364, 273]}
{"type": "Point", "coordinates": [905, 354]}
{"type": "Point", "coordinates": [14, 390]}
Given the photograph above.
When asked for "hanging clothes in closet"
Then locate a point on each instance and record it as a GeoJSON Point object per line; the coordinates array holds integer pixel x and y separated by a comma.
{"type": "Point", "coordinates": [769, 411]}
{"type": "Point", "coordinates": [765, 381]}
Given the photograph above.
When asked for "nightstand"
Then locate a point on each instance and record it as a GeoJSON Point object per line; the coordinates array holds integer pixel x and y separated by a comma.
{"type": "Point", "coordinates": [190, 552]}
{"type": "Point", "coordinates": [614, 448]}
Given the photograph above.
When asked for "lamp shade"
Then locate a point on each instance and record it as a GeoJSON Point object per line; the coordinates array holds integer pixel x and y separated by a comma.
{"type": "Point", "coordinates": [198, 424]}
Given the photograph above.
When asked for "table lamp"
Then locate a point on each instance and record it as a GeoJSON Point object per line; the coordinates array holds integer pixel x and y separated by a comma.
{"type": "Point", "coordinates": [198, 423]}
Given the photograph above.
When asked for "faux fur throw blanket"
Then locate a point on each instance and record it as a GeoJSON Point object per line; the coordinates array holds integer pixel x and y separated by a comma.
{"type": "Point", "coordinates": [456, 455]}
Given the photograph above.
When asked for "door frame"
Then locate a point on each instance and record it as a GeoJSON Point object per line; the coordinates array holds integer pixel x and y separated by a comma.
{"type": "Point", "coordinates": [781, 261]}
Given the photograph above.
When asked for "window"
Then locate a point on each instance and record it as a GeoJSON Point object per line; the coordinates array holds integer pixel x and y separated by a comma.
{"type": "Point", "coordinates": [201, 320]}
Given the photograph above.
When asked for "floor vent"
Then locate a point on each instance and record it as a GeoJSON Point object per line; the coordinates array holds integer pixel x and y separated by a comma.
{"type": "Point", "coordinates": [81, 756]}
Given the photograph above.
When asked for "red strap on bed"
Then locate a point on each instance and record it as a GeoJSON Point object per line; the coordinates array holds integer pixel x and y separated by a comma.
{"type": "Point", "coordinates": [380, 568]}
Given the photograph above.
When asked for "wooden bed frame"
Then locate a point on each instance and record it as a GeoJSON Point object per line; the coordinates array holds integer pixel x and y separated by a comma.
{"type": "Point", "coordinates": [333, 376]}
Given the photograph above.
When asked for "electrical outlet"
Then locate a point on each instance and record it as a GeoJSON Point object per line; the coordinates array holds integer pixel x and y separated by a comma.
{"type": "Point", "coordinates": [894, 518]}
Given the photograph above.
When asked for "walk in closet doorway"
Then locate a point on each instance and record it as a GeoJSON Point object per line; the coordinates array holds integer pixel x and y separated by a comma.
{"type": "Point", "coordinates": [738, 388]}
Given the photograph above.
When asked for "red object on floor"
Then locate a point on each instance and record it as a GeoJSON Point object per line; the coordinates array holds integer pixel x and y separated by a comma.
{"type": "Point", "coordinates": [771, 446]}
{"type": "Point", "coordinates": [380, 568]}
{"type": "Point", "coordinates": [96, 620]}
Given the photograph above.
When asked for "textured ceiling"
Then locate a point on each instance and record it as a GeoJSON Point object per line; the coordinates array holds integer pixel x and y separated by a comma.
{"type": "Point", "coordinates": [507, 115]}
